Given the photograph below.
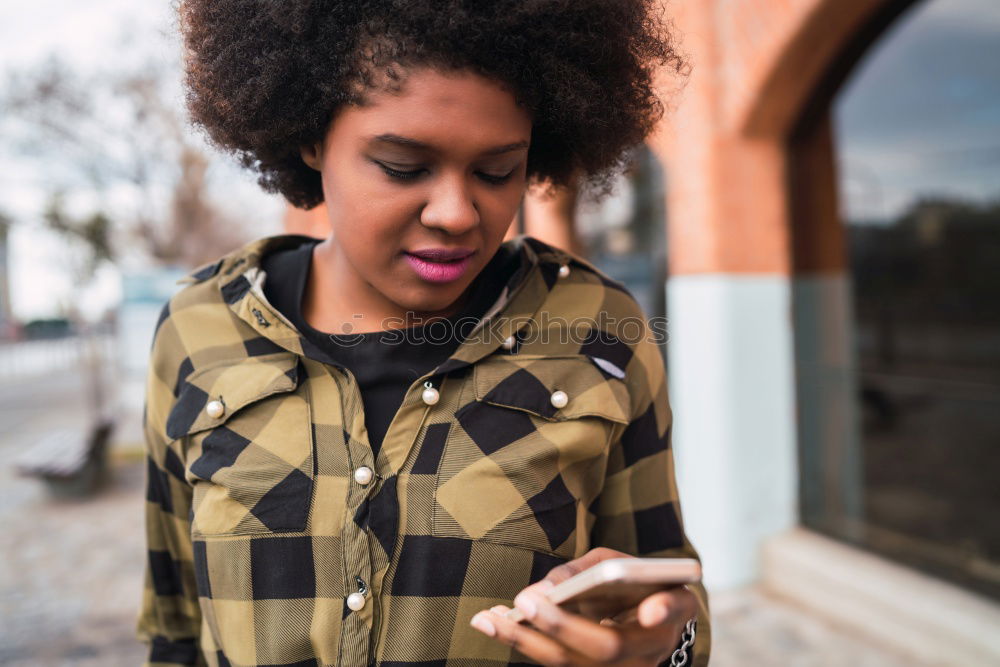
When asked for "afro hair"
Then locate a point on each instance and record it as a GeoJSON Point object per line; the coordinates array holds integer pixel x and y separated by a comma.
{"type": "Point", "coordinates": [265, 77]}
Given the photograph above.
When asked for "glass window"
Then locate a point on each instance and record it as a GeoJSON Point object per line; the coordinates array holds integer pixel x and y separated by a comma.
{"type": "Point", "coordinates": [917, 136]}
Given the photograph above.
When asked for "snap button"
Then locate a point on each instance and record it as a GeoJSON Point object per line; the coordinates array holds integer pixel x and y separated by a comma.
{"type": "Point", "coordinates": [261, 320]}
{"type": "Point", "coordinates": [508, 343]}
{"type": "Point", "coordinates": [563, 270]}
{"type": "Point", "coordinates": [430, 395]}
{"type": "Point", "coordinates": [364, 475]}
{"type": "Point", "coordinates": [215, 409]}
{"type": "Point", "coordinates": [355, 601]}
{"type": "Point", "coordinates": [559, 399]}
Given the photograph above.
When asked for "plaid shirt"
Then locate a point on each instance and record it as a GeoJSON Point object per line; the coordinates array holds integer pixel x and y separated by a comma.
{"type": "Point", "coordinates": [261, 517]}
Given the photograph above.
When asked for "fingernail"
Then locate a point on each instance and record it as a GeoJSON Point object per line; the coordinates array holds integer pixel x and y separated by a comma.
{"type": "Point", "coordinates": [545, 584]}
{"type": "Point", "coordinates": [656, 615]}
{"type": "Point", "coordinates": [526, 605]}
{"type": "Point", "coordinates": [483, 624]}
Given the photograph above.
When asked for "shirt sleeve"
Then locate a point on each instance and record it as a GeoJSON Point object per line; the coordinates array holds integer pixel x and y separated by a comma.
{"type": "Point", "coordinates": [638, 510]}
{"type": "Point", "coordinates": [169, 618]}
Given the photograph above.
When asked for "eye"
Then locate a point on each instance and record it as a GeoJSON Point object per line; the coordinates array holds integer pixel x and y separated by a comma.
{"type": "Point", "coordinates": [412, 174]}
{"type": "Point", "coordinates": [493, 179]}
{"type": "Point", "coordinates": [400, 174]}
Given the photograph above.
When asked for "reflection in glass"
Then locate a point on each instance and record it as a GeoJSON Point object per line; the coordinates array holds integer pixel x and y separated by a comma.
{"type": "Point", "coordinates": [918, 144]}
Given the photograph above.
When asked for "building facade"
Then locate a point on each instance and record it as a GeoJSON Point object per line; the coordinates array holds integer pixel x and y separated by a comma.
{"type": "Point", "coordinates": [805, 407]}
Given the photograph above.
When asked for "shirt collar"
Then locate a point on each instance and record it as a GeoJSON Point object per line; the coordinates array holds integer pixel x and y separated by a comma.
{"type": "Point", "coordinates": [240, 281]}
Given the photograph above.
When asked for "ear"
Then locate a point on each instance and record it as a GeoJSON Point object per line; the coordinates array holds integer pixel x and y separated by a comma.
{"type": "Point", "coordinates": [312, 155]}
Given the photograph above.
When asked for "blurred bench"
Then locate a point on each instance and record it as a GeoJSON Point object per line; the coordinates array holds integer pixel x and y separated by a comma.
{"type": "Point", "coordinates": [73, 463]}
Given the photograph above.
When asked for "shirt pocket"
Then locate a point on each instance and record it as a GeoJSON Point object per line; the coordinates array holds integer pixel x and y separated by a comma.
{"type": "Point", "coordinates": [250, 451]}
{"type": "Point", "coordinates": [520, 465]}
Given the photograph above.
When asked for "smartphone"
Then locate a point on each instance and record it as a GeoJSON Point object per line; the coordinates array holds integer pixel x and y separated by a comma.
{"type": "Point", "coordinates": [618, 584]}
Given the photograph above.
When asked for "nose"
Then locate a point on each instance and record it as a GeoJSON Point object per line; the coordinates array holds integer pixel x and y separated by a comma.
{"type": "Point", "coordinates": [450, 207]}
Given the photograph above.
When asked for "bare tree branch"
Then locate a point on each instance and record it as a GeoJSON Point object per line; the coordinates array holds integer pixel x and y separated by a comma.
{"type": "Point", "coordinates": [118, 137]}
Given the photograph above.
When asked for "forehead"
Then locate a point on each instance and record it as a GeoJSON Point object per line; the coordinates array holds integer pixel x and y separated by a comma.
{"type": "Point", "coordinates": [457, 110]}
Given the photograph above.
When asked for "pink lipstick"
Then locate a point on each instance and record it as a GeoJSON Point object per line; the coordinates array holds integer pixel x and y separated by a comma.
{"type": "Point", "coordinates": [440, 265]}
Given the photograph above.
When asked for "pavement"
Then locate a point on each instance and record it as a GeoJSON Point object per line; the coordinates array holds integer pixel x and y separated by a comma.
{"type": "Point", "coordinates": [72, 576]}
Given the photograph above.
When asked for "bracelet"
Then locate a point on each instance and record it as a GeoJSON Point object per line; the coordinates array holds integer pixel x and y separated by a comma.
{"type": "Point", "coordinates": [680, 656]}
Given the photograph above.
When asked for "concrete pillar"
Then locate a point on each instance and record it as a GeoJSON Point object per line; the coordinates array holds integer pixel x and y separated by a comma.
{"type": "Point", "coordinates": [729, 299]}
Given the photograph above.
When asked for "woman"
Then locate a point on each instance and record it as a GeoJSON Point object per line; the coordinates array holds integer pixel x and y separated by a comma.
{"type": "Point", "coordinates": [363, 449]}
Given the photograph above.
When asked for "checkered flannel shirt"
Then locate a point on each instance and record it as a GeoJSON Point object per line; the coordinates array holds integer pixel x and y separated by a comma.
{"type": "Point", "coordinates": [257, 529]}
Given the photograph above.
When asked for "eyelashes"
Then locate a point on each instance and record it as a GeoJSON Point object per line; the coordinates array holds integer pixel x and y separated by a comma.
{"type": "Point", "coordinates": [400, 175]}
{"type": "Point", "coordinates": [496, 180]}
{"type": "Point", "coordinates": [413, 174]}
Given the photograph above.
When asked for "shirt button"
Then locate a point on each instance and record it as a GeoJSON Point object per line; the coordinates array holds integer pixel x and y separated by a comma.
{"type": "Point", "coordinates": [355, 601]}
{"type": "Point", "coordinates": [559, 399]}
{"type": "Point", "coordinates": [430, 394]}
{"type": "Point", "coordinates": [508, 343]}
{"type": "Point", "coordinates": [363, 475]}
{"type": "Point", "coordinates": [563, 270]}
{"type": "Point", "coordinates": [215, 409]}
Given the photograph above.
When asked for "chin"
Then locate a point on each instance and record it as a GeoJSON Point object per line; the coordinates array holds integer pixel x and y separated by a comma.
{"type": "Point", "coordinates": [432, 299]}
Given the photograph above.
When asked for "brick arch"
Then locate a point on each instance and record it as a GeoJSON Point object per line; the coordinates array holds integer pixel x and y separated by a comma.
{"type": "Point", "coordinates": [762, 69]}
{"type": "Point", "coordinates": [809, 54]}
{"type": "Point", "coordinates": [842, 34]}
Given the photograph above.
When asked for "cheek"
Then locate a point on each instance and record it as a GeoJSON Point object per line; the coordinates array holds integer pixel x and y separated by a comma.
{"type": "Point", "coordinates": [498, 210]}
{"type": "Point", "coordinates": [369, 220]}
{"type": "Point", "coordinates": [371, 235]}
{"type": "Point", "coordinates": [360, 199]}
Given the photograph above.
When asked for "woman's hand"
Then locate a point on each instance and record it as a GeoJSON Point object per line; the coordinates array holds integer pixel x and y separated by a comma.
{"type": "Point", "coordinates": [645, 635]}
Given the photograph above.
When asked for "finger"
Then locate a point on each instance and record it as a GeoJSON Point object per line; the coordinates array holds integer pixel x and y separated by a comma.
{"type": "Point", "coordinates": [561, 573]}
{"type": "Point", "coordinates": [661, 638]}
{"type": "Point", "coordinates": [589, 638]}
{"type": "Point", "coordinates": [657, 639]}
{"type": "Point", "coordinates": [526, 640]}
{"type": "Point", "coordinates": [658, 608]}
{"type": "Point", "coordinates": [483, 620]}
{"type": "Point", "coordinates": [541, 587]}
{"type": "Point", "coordinates": [621, 618]}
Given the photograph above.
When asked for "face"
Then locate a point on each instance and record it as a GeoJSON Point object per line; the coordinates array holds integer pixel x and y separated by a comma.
{"type": "Point", "coordinates": [420, 185]}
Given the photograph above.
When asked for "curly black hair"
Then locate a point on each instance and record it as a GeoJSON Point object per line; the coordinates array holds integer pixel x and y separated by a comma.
{"type": "Point", "coordinates": [265, 77]}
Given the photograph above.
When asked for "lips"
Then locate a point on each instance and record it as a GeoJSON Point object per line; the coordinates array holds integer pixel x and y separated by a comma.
{"type": "Point", "coordinates": [441, 254]}
{"type": "Point", "coordinates": [439, 265]}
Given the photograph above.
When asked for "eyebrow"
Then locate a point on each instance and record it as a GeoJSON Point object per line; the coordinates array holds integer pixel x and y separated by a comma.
{"type": "Point", "coordinates": [408, 142]}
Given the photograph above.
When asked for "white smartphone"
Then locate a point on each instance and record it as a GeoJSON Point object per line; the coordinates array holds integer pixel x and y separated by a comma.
{"type": "Point", "coordinates": [618, 584]}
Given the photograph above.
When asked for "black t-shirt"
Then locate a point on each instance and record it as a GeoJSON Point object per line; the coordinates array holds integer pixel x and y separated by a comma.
{"type": "Point", "coordinates": [384, 363]}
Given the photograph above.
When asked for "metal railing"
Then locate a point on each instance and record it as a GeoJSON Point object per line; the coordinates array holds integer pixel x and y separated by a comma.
{"type": "Point", "coordinates": [33, 358]}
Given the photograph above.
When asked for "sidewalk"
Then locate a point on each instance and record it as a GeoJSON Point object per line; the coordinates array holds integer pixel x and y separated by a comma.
{"type": "Point", "coordinates": [753, 628]}
{"type": "Point", "coordinates": [72, 578]}
{"type": "Point", "coordinates": [73, 571]}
